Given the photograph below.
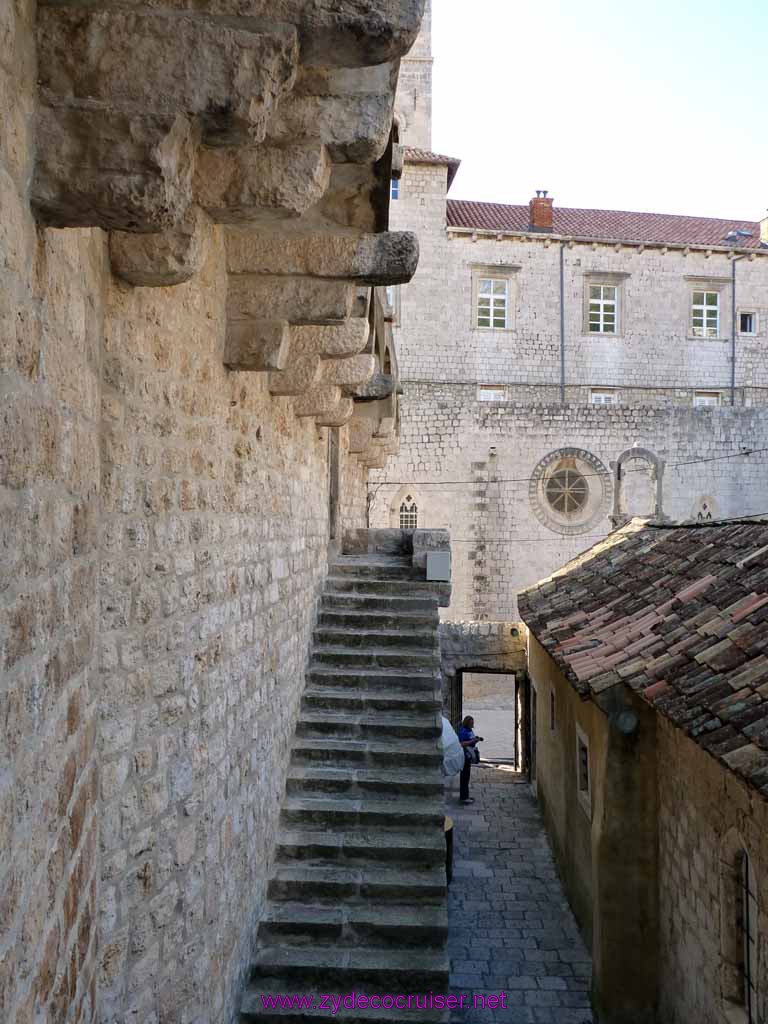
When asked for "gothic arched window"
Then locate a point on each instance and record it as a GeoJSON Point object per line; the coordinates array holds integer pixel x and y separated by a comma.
{"type": "Point", "coordinates": [409, 514]}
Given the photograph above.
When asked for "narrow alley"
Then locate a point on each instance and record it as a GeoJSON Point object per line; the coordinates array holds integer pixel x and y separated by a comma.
{"type": "Point", "coordinates": [510, 927]}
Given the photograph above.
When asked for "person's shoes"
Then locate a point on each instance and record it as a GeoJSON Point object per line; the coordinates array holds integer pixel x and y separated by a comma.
{"type": "Point", "coordinates": [469, 800]}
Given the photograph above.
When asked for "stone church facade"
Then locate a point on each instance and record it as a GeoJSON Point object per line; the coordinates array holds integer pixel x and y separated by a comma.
{"type": "Point", "coordinates": [537, 344]}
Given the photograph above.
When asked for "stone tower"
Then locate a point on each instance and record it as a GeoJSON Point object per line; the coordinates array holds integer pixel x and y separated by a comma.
{"type": "Point", "coordinates": [413, 105]}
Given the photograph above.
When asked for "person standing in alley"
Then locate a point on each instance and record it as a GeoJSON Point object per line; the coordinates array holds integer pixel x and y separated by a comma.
{"type": "Point", "coordinates": [469, 741]}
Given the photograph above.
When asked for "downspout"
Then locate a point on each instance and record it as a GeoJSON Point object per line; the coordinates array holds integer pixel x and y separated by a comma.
{"type": "Point", "coordinates": [733, 329]}
{"type": "Point", "coordinates": [734, 261]}
{"type": "Point", "coordinates": [562, 323]}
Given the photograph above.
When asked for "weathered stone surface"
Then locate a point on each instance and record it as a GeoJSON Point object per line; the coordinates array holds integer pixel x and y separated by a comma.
{"type": "Point", "coordinates": [332, 342]}
{"type": "Point", "coordinates": [299, 300]}
{"type": "Point", "coordinates": [379, 386]}
{"type": "Point", "coordinates": [112, 170]}
{"type": "Point", "coordinates": [385, 258]}
{"type": "Point", "coordinates": [360, 433]}
{"type": "Point", "coordinates": [350, 373]}
{"type": "Point", "coordinates": [257, 345]}
{"type": "Point", "coordinates": [303, 372]}
{"type": "Point", "coordinates": [231, 77]}
{"type": "Point", "coordinates": [354, 128]}
{"type": "Point", "coordinates": [321, 400]}
{"type": "Point", "coordinates": [339, 416]}
{"type": "Point", "coordinates": [159, 260]}
{"type": "Point", "coordinates": [263, 183]}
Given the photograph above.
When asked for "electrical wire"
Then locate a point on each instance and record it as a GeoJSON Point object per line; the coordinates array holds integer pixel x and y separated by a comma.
{"type": "Point", "coordinates": [526, 479]}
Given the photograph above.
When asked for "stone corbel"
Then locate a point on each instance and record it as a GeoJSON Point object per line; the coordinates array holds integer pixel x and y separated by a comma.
{"type": "Point", "coordinates": [338, 416]}
{"type": "Point", "coordinates": [260, 345]}
{"type": "Point", "coordinates": [161, 259]}
{"type": "Point", "coordinates": [360, 434]}
{"type": "Point", "coordinates": [350, 373]}
{"type": "Point", "coordinates": [322, 401]}
{"type": "Point", "coordinates": [125, 96]}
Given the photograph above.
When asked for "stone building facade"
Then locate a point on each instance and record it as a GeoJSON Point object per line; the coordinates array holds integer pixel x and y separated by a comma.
{"type": "Point", "coordinates": [537, 343]}
{"type": "Point", "coordinates": [196, 376]}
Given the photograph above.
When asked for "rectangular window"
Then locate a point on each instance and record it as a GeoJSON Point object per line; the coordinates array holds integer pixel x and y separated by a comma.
{"type": "Point", "coordinates": [395, 190]}
{"type": "Point", "coordinates": [492, 303]}
{"type": "Point", "coordinates": [747, 323]}
{"type": "Point", "coordinates": [749, 916]}
{"type": "Point", "coordinates": [490, 392]}
{"type": "Point", "coordinates": [583, 779]}
{"type": "Point", "coordinates": [702, 399]}
{"type": "Point", "coordinates": [603, 396]}
{"type": "Point", "coordinates": [603, 308]}
{"type": "Point", "coordinates": [705, 315]}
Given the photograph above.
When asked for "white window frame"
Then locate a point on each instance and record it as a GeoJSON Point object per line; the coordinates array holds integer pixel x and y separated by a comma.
{"type": "Point", "coordinates": [603, 396]}
{"type": "Point", "coordinates": [491, 393]}
{"type": "Point", "coordinates": [394, 188]}
{"type": "Point", "coordinates": [602, 311]}
{"type": "Point", "coordinates": [503, 274]}
{"type": "Point", "coordinates": [702, 310]}
{"type": "Point", "coordinates": [753, 314]}
{"type": "Point", "coordinates": [495, 292]}
{"type": "Point", "coordinates": [584, 794]}
{"type": "Point", "coordinates": [706, 399]}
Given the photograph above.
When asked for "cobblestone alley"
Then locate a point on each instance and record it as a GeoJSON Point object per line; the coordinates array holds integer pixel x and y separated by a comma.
{"type": "Point", "coordinates": [510, 927]}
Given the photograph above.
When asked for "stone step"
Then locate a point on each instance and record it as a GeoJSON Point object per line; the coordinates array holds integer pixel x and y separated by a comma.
{"type": "Point", "coordinates": [330, 778]}
{"type": "Point", "coordinates": [310, 880]}
{"type": "Point", "coordinates": [360, 753]}
{"type": "Point", "coordinates": [395, 680]}
{"type": "Point", "coordinates": [253, 1009]}
{"type": "Point", "coordinates": [395, 603]}
{"type": "Point", "coordinates": [338, 698]}
{"type": "Point", "coordinates": [386, 619]}
{"type": "Point", "coordinates": [361, 847]}
{"type": "Point", "coordinates": [347, 811]}
{"type": "Point", "coordinates": [331, 968]}
{"type": "Point", "coordinates": [376, 657]}
{"type": "Point", "coordinates": [346, 584]}
{"type": "Point", "coordinates": [346, 724]}
{"type": "Point", "coordinates": [354, 924]}
{"type": "Point", "coordinates": [369, 637]}
{"type": "Point", "coordinates": [390, 570]}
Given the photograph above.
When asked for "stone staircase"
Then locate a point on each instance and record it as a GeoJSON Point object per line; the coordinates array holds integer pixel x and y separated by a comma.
{"type": "Point", "coordinates": [357, 897]}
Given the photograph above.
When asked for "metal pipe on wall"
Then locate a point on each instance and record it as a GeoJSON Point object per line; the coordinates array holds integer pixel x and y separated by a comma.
{"type": "Point", "coordinates": [562, 323]}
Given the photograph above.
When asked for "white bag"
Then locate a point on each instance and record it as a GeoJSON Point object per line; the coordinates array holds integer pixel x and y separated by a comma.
{"type": "Point", "coordinates": [453, 752]}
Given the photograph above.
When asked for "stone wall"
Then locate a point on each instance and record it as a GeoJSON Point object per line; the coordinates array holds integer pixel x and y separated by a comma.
{"type": "Point", "coordinates": [502, 536]}
{"type": "Point", "coordinates": [51, 323]}
{"type": "Point", "coordinates": [164, 479]}
{"type": "Point", "coordinates": [705, 815]}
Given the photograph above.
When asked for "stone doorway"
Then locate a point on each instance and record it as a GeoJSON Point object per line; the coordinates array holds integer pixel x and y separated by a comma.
{"type": "Point", "coordinates": [492, 698]}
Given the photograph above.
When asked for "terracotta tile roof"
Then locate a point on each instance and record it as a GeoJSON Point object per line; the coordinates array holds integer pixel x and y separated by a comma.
{"type": "Point", "coordinates": [608, 225]}
{"type": "Point", "coordinates": [424, 156]}
{"type": "Point", "coordinates": [679, 614]}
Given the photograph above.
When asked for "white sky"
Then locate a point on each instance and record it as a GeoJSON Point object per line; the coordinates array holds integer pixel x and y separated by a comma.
{"type": "Point", "coordinates": [660, 105]}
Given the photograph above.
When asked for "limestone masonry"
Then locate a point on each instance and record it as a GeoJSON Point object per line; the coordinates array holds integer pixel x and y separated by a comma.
{"type": "Point", "coordinates": [197, 372]}
{"type": "Point", "coordinates": [537, 344]}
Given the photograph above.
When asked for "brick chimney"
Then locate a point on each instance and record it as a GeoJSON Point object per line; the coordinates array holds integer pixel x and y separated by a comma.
{"type": "Point", "coordinates": [540, 212]}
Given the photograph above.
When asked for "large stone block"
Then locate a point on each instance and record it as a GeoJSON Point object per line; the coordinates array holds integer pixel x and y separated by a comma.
{"type": "Point", "coordinates": [262, 184]}
{"type": "Point", "coordinates": [322, 400]}
{"type": "Point", "coordinates": [302, 373]}
{"type": "Point", "coordinates": [150, 62]}
{"type": "Point", "coordinates": [338, 416]}
{"type": "Point", "coordinates": [257, 345]}
{"type": "Point", "coordinates": [159, 260]}
{"type": "Point", "coordinates": [299, 300]}
{"type": "Point", "coordinates": [354, 128]}
{"type": "Point", "coordinates": [385, 258]}
{"type": "Point", "coordinates": [112, 170]}
{"type": "Point", "coordinates": [336, 342]}
{"type": "Point", "coordinates": [351, 373]}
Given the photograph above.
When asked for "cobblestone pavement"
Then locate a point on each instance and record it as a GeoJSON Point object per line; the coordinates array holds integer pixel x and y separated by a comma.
{"type": "Point", "coordinates": [510, 927]}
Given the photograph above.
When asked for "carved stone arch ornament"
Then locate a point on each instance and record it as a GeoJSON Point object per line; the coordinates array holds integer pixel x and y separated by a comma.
{"type": "Point", "coordinates": [620, 516]}
{"type": "Point", "coordinates": [570, 491]}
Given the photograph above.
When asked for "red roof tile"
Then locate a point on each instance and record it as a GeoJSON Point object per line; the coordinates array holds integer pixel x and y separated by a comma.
{"type": "Point", "coordinates": [608, 225]}
{"type": "Point", "coordinates": [700, 658]}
